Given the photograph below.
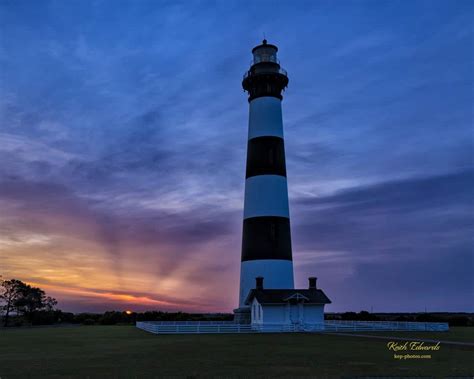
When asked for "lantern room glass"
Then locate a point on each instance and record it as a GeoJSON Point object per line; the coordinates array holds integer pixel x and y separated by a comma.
{"type": "Point", "coordinates": [265, 54]}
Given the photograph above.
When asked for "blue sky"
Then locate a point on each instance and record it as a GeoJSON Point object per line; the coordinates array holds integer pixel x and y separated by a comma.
{"type": "Point", "coordinates": [123, 135]}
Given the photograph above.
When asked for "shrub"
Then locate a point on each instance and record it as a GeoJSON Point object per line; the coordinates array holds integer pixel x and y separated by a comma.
{"type": "Point", "coordinates": [88, 321]}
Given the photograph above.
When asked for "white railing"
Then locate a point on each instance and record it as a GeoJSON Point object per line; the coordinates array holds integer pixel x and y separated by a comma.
{"type": "Point", "coordinates": [208, 327]}
{"type": "Point", "coordinates": [190, 322]}
{"type": "Point", "coordinates": [341, 325]}
{"type": "Point", "coordinates": [197, 327]}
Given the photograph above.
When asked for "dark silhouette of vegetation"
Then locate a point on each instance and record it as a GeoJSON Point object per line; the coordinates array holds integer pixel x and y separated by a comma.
{"type": "Point", "coordinates": [31, 303]}
{"type": "Point", "coordinates": [22, 304]}
{"type": "Point", "coordinates": [9, 296]}
{"type": "Point", "coordinates": [117, 318]}
{"type": "Point", "coordinates": [353, 316]}
{"type": "Point", "coordinates": [88, 321]}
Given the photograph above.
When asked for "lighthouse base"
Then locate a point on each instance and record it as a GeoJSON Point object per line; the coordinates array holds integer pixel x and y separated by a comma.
{"type": "Point", "coordinates": [242, 315]}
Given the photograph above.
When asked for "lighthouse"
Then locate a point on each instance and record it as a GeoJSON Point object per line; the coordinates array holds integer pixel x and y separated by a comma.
{"type": "Point", "coordinates": [266, 237]}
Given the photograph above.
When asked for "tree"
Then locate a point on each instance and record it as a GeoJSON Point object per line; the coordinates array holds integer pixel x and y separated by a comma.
{"type": "Point", "coordinates": [31, 299]}
{"type": "Point", "coordinates": [9, 295]}
{"type": "Point", "coordinates": [25, 299]}
{"type": "Point", "coordinates": [50, 303]}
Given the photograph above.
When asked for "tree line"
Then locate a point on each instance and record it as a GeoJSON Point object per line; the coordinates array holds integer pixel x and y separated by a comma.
{"type": "Point", "coordinates": [118, 317]}
{"type": "Point", "coordinates": [22, 300]}
{"type": "Point", "coordinates": [21, 303]}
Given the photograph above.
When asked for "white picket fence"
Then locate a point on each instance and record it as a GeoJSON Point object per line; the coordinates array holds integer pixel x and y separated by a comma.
{"type": "Point", "coordinates": [353, 326]}
{"type": "Point", "coordinates": [221, 327]}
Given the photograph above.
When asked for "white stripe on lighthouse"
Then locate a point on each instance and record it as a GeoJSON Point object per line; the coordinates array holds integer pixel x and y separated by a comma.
{"type": "Point", "coordinates": [265, 117]}
{"type": "Point", "coordinates": [266, 195]}
{"type": "Point", "coordinates": [277, 274]}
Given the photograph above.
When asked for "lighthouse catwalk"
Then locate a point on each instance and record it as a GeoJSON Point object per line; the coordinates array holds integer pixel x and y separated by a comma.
{"type": "Point", "coordinates": [266, 240]}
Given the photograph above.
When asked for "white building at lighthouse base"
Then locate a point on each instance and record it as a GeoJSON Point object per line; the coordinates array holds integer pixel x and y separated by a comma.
{"type": "Point", "coordinates": [292, 307]}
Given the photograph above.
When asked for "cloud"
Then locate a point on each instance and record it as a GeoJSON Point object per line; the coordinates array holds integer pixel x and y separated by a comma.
{"type": "Point", "coordinates": [75, 241]}
{"type": "Point", "coordinates": [408, 235]}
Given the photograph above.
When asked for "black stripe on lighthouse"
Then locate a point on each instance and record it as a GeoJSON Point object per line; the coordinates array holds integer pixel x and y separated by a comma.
{"type": "Point", "coordinates": [266, 238]}
{"type": "Point", "coordinates": [266, 156]}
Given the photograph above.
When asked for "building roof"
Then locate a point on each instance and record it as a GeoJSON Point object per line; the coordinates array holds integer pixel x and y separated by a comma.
{"type": "Point", "coordinates": [274, 296]}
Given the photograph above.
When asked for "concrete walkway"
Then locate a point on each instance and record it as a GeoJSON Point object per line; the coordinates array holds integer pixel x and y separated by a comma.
{"type": "Point", "coordinates": [402, 338]}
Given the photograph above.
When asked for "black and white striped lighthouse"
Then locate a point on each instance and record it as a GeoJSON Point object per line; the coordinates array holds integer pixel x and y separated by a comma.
{"type": "Point", "coordinates": [266, 240]}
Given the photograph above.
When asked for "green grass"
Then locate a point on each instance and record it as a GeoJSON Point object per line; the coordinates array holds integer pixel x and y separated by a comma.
{"type": "Point", "coordinates": [124, 351]}
{"type": "Point", "coordinates": [458, 334]}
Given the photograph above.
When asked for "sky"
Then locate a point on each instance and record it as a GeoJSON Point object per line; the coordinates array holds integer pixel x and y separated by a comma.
{"type": "Point", "coordinates": [123, 129]}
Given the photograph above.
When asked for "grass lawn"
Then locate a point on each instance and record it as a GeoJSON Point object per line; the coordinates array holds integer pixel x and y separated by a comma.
{"type": "Point", "coordinates": [458, 334]}
{"type": "Point", "coordinates": [124, 351]}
